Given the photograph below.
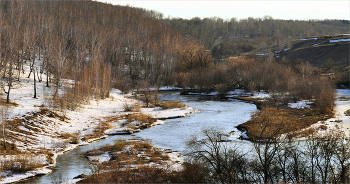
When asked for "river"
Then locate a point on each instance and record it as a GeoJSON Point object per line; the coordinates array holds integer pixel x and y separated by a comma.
{"type": "Point", "coordinates": [216, 114]}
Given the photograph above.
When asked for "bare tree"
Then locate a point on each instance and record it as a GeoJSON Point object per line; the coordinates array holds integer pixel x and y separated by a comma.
{"type": "Point", "coordinates": [3, 113]}
{"type": "Point", "coordinates": [342, 156]}
{"type": "Point", "coordinates": [224, 164]}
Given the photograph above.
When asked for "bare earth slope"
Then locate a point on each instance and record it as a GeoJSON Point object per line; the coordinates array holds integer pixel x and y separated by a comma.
{"type": "Point", "coordinates": [317, 50]}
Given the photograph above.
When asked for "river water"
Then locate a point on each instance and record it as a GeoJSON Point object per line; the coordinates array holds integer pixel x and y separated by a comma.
{"type": "Point", "coordinates": [223, 115]}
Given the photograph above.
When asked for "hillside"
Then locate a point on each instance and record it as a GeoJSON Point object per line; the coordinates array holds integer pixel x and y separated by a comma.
{"type": "Point", "coordinates": [239, 36]}
{"type": "Point", "coordinates": [317, 50]}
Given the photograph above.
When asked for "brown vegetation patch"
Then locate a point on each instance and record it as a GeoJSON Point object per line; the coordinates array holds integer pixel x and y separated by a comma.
{"type": "Point", "coordinates": [72, 138]}
{"type": "Point", "coordinates": [130, 153]}
{"type": "Point", "coordinates": [145, 174]}
{"type": "Point", "coordinates": [10, 149]}
{"type": "Point", "coordinates": [111, 118]}
{"type": "Point", "coordinates": [171, 105]}
{"type": "Point", "coordinates": [10, 104]}
{"type": "Point", "coordinates": [19, 163]}
{"type": "Point", "coordinates": [132, 108]}
{"type": "Point", "coordinates": [272, 122]}
{"type": "Point", "coordinates": [347, 112]}
{"type": "Point", "coordinates": [323, 127]}
{"type": "Point", "coordinates": [138, 120]}
{"type": "Point", "coordinates": [28, 125]}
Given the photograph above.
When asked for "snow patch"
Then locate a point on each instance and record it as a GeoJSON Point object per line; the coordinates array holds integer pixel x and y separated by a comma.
{"type": "Point", "coordinates": [105, 157]}
{"type": "Point", "coordinates": [300, 105]}
{"type": "Point", "coordinates": [340, 40]}
{"type": "Point", "coordinates": [263, 54]}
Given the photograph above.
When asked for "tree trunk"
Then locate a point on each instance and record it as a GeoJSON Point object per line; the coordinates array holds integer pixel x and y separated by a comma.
{"type": "Point", "coordinates": [9, 84]}
{"type": "Point", "coordinates": [34, 83]}
{"type": "Point", "coordinates": [47, 79]}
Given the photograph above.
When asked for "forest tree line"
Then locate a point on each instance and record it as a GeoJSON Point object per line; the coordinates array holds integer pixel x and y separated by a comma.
{"type": "Point", "coordinates": [95, 44]}
{"type": "Point", "coordinates": [240, 36]}
{"type": "Point", "coordinates": [100, 45]}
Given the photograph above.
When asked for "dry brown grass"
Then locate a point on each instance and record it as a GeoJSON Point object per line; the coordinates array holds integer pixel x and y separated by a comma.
{"type": "Point", "coordinates": [72, 138]}
{"type": "Point", "coordinates": [119, 145]}
{"type": "Point", "coordinates": [303, 133]}
{"type": "Point", "coordinates": [123, 153]}
{"type": "Point", "coordinates": [131, 175]}
{"type": "Point", "coordinates": [111, 118]}
{"type": "Point", "coordinates": [10, 104]}
{"type": "Point", "coordinates": [271, 122]}
{"type": "Point", "coordinates": [171, 105]}
{"type": "Point", "coordinates": [11, 149]}
{"type": "Point", "coordinates": [142, 120]}
{"type": "Point", "coordinates": [24, 129]}
{"type": "Point", "coordinates": [323, 127]}
{"type": "Point", "coordinates": [132, 108]}
{"type": "Point", "coordinates": [141, 145]}
{"type": "Point", "coordinates": [190, 174]}
{"type": "Point", "coordinates": [99, 130]}
{"type": "Point", "coordinates": [347, 112]}
{"type": "Point", "coordinates": [19, 163]}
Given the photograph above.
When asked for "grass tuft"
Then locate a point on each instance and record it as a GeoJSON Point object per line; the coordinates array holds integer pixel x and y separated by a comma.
{"type": "Point", "coordinates": [132, 108]}
{"type": "Point", "coordinates": [172, 105]}
{"type": "Point", "coordinates": [19, 164]}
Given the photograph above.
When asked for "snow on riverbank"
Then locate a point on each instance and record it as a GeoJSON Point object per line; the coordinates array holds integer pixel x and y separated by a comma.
{"type": "Point", "coordinates": [340, 122]}
{"type": "Point", "coordinates": [81, 122]}
{"type": "Point", "coordinates": [300, 105]}
{"type": "Point", "coordinates": [159, 113]}
{"type": "Point", "coordinates": [29, 174]}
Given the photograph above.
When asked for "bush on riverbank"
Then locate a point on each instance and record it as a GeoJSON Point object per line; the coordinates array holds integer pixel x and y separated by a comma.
{"type": "Point", "coordinates": [172, 105]}
{"type": "Point", "coordinates": [347, 113]}
{"type": "Point", "coordinates": [138, 120]}
{"type": "Point", "coordinates": [19, 163]}
{"type": "Point", "coordinates": [316, 160]}
{"type": "Point", "coordinates": [146, 174]}
{"type": "Point", "coordinates": [132, 108]}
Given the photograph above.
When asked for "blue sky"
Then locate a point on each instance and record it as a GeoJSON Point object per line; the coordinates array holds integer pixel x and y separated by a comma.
{"type": "Point", "coordinates": [295, 10]}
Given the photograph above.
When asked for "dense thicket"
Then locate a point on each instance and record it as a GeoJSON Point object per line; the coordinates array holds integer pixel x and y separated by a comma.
{"type": "Point", "coordinates": [260, 32]}
{"type": "Point", "coordinates": [284, 81]}
{"type": "Point", "coordinates": [87, 41]}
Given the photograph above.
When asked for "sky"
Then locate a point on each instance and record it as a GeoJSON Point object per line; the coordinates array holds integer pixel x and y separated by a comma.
{"type": "Point", "coordinates": [227, 9]}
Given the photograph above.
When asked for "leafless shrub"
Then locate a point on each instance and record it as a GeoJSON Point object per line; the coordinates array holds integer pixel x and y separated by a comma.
{"type": "Point", "coordinates": [316, 160]}
{"type": "Point", "coordinates": [75, 139]}
{"type": "Point", "coordinates": [132, 108]}
{"type": "Point", "coordinates": [323, 127]}
{"type": "Point", "coordinates": [20, 163]}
